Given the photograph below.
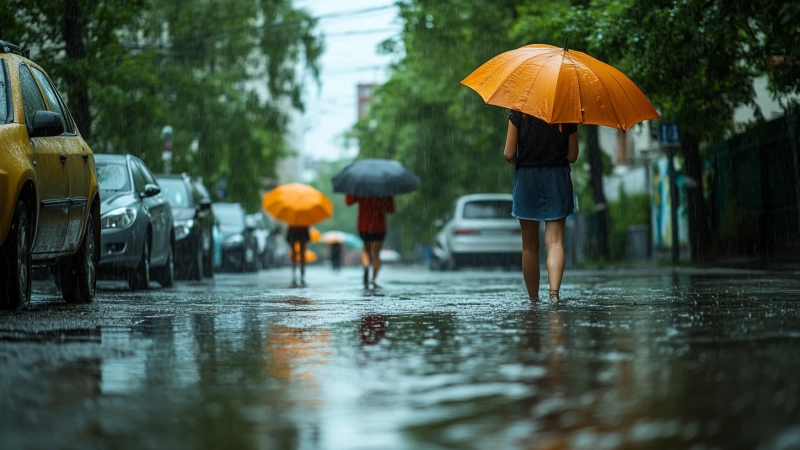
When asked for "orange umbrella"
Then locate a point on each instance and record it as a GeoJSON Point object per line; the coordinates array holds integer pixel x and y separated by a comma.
{"type": "Point", "coordinates": [561, 86]}
{"type": "Point", "coordinates": [297, 204]}
{"type": "Point", "coordinates": [314, 234]}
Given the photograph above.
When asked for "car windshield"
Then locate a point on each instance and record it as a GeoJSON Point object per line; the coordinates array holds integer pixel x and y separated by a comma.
{"type": "Point", "coordinates": [176, 192]}
{"type": "Point", "coordinates": [488, 209]}
{"type": "Point", "coordinates": [229, 217]}
{"type": "Point", "coordinates": [113, 177]}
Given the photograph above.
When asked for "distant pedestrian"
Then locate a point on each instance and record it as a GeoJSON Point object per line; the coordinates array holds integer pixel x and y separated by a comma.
{"type": "Point", "coordinates": [298, 238]}
{"type": "Point", "coordinates": [372, 229]}
{"type": "Point", "coordinates": [541, 154]}
{"type": "Point", "coordinates": [335, 253]}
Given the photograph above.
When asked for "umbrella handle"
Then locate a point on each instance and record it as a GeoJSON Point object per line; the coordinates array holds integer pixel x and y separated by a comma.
{"type": "Point", "coordinates": [566, 43]}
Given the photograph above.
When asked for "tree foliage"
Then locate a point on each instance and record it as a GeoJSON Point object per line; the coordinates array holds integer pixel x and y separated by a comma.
{"type": "Point", "coordinates": [224, 76]}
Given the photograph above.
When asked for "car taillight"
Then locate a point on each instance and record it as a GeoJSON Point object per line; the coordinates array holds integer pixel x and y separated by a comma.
{"type": "Point", "coordinates": [465, 231]}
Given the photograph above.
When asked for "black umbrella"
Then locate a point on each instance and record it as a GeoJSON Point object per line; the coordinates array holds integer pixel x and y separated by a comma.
{"type": "Point", "coordinates": [375, 178]}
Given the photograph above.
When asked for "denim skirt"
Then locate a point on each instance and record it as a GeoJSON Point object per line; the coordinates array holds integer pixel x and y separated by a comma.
{"type": "Point", "coordinates": [542, 193]}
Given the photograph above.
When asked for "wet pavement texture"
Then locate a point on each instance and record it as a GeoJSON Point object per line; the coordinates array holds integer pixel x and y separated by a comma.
{"type": "Point", "coordinates": [687, 359]}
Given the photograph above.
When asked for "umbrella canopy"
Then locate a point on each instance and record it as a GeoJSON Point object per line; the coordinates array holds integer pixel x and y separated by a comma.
{"type": "Point", "coordinates": [561, 86]}
{"type": "Point", "coordinates": [375, 178]}
{"type": "Point", "coordinates": [314, 234]}
{"type": "Point", "coordinates": [341, 237]}
{"type": "Point", "coordinates": [297, 204]}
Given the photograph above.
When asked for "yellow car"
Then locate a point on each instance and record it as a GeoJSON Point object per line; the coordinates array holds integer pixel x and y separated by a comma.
{"type": "Point", "coordinates": [49, 199]}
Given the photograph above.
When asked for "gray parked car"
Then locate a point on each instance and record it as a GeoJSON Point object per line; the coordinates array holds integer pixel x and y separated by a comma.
{"type": "Point", "coordinates": [480, 232]}
{"type": "Point", "coordinates": [136, 231]}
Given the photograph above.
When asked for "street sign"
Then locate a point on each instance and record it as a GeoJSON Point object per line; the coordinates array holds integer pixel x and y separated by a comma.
{"type": "Point", "coordinates": [670, 135]}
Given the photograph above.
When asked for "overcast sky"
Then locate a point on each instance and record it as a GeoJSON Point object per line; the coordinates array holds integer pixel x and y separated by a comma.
{"type": "Point", "coordinates": [353, 29]}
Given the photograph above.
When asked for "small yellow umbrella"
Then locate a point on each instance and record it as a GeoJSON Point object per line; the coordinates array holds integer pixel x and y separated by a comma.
{"type": "Point", "coordinates": [299, 205]}
{"type": "Point", "coordinates": [561, 86]}
{"type": "Point", "coordinates": [314, 234]}
{"type": "Point", "coordinates": [311, 256]}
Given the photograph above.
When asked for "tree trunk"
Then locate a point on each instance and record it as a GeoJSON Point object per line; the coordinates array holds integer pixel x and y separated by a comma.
{"type": "Point", "coordinates": [699, 226]}
{"type": "Point", "coordinates": [596, 180]}
{"type": "Point", "coordinates": [75, 12]}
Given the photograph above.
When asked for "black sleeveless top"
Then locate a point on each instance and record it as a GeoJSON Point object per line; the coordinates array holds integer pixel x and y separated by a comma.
{"type": "Point", "coordinates": [539, 143]}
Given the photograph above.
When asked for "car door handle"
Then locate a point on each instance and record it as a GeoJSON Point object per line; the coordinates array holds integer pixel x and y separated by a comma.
{"type": "Point", "coordinates": [63, 158]}
{"type": "Point", "coordinates": [85, 158]}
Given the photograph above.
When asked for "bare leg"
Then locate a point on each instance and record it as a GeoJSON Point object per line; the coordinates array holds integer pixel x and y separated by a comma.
{"type": "Point", "coordinates": [530, 256]}
{"type": "Point", "coordinates": [365, 255]}
{"type": "Point", "coordinates": [294, 261]}
{"type": "Point", "coordinates": [554, 240]}
{"type": "Point", "coordinates": [303, 262]}
{"type": "Point", "coordinates": [376, 258]}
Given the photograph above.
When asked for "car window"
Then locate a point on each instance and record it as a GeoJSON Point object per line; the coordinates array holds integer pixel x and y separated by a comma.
{"type": "Point", "coordinates": [176, 191]}
{"type": "Point", "coordinates": [32, 100]}
{"type": "Point", "coordinates": [138, 177]}
{"type": "Point", "coordinates": [202, 190]}
{"type": "Point", "coordinates": [487, 209]}
{"type": "Point", "coordinates": [113, 177]}
{"type": "Point", "coordinates": [149, 178]}
{"type": "Point", "coordinates": [50, 95]}
{"type": "Point", "coordinates": [3, 94]}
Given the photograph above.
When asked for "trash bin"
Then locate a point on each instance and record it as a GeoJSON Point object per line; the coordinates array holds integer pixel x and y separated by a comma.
{"type": "Point", "coordinates": [638, 242]}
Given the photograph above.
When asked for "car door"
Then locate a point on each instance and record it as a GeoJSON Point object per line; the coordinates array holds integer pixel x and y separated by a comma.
{"type": "Point", "coordinates": [77, 163]}
{"type": "Point", "coordinates": [52, 173]}
{"type": "Point", "coordinates": [160, 216]}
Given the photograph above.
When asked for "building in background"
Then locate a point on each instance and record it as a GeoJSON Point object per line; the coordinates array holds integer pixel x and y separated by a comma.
{"type": "Point", "coordinates": [364, 93]}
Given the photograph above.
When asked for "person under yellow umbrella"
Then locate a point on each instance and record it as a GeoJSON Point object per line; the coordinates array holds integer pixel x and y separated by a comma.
{"type": "Point", "coordinates": [549, 90]}
{"type": "Point", "coordinates": [300, 206]}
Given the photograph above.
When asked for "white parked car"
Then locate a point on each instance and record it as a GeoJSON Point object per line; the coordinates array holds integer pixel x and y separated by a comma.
{"type": "Point", "coordinates": [480, 232]}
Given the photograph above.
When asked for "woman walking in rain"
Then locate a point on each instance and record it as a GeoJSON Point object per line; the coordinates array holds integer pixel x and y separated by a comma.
{"type": "Point", "coordinates": [372, 229]}
{"type": "Point", "coordinates": [541, 154]}
{"type": "Point", "coordinates": [298, 238]}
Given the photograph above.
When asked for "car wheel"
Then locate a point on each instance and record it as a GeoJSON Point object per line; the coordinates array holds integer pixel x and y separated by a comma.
{"type": "Point", "coordinates": [15, 276]}
{"type": "Point", "coordinates": [197, 263]}
{"type": "Point", "coordinates": [166, 275]}
{"type": "Point", "coordinates": [208, 262]}
{"type": "Point", "coordinates": [77, 274]}
{"type": "Point", "coordinates": [139, 278]}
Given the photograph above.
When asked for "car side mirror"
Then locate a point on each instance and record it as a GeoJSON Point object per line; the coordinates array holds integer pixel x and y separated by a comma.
{"type": "Point", "coordinates": [438, 223]}
{"type": "Point", "coordinates": [46, 123]}
{"type": "Point", "coordinates": [150, 190]}
{"type": "Point", "coordinates": [205, 204]}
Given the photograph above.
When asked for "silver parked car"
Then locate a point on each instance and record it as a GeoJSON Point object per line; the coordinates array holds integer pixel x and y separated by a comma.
{"type": "Point", "coordinates": [480, 232]}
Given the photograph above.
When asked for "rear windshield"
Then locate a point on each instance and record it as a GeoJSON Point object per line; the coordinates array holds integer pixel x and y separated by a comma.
{"type": "Point", "coordinates": [488, 209]}
{"type": "Point", "coordinates": [230, 217]}
{"type": "Point", "coordinates": [113, 177]}
{"type": "Point", "coordinates": [177, 194]}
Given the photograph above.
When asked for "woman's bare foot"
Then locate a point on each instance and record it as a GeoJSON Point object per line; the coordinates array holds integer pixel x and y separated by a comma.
{"type": "Point", "coordinates": [554, 296]}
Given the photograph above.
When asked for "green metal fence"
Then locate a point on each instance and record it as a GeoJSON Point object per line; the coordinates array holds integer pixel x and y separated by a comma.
{"type": "Point", "coordinates": [752, 189]}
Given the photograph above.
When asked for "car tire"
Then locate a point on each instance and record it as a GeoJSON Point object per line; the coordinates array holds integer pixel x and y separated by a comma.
{"type": "Point", "coordinates": [77, 275]}
{"type": "Point", "coordinates": [139, 278]}
{"type": "Point", "coordinates": [196, 264]}
{"type": "Point", "coordinates": [165, 275]}
{"type": "Point", "coordinates": [208, 262]}
{"type": "Point", "coordinates": [15, 256]}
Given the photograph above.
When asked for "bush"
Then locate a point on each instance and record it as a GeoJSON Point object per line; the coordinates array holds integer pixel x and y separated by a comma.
{"type": "Point", "coordinates": [628, 210]}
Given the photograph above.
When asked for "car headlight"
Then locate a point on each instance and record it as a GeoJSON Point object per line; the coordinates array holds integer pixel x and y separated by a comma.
{"type": "Point", "coordinates": [119, 218]}
{"type": "Point", "coordinates": [183, 228]}
{"type": "Point", "coordinates": [234, 239]}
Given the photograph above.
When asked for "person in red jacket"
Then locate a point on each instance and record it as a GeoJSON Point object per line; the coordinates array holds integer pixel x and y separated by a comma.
{"type": "Point", "coordinates": [372, 229]}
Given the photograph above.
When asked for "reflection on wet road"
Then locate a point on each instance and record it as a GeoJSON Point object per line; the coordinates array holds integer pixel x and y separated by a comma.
{"type": "Point", "coordinates": [694, 359]}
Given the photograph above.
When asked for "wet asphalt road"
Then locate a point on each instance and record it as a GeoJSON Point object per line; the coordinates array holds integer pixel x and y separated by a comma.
{"type": "Point", "coordinates": [685, 360]}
